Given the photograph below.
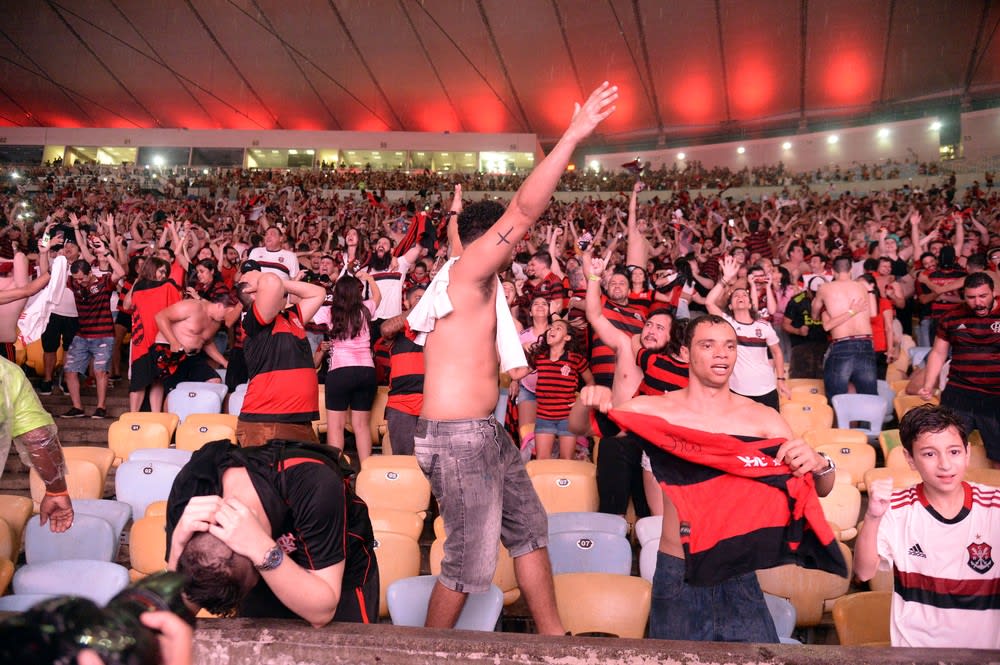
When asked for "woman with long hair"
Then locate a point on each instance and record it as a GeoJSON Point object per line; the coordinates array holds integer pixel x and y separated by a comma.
{"type": "Point", "coordinates": [560, 369]}
{"type": "Point", "coordinates": [882, 325]}
{"type": "Point", "coordinates": [350, 378]}
{"type": "Point", "coordinates": [123, 320]}
{"type": "Point", "coordinates": [538, 325]}
{"type": "Point", "coordinates": [355, 256]}
{"type": "Point", "coordinates": [152, 292]}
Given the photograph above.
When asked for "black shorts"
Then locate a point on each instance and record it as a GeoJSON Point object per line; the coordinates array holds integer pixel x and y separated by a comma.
{"type": "Point", "coordinates": [60, 327]}
{"type": "Point", "coordinates": [350, 388]}
{"type": "Point", "coordinates": [191, 368]}
{"type": "Point", "coordinates": [980, 412]}
{"type": "Point", "coordinates": [124, 320]}
{"type": "Point", "coordinates": [143, 373]}
{"type": "Point", "coordinates": [236, 373]}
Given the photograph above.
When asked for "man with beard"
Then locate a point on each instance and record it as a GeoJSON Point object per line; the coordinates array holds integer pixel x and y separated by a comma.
{"type": "Point", "coordinates": [622, 316]}
{"type": "Point", "coordinates": [971, 332]}
{"type": "Point", "coordinates": [642, 365]}
{"type": "Point", "coordinates": [389, 272]}
{"type": "Point", "coordinates": [542, 281]}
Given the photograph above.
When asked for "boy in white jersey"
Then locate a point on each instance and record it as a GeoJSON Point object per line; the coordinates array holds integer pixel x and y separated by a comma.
{"type": "Point", "coordinates": [939, 537]}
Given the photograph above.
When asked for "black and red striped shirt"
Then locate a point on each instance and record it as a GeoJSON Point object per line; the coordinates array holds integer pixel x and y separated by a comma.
{"type": "Point", "coordinates": [557, 383]}
{"type": "Point", "coordinates": [660, 373]}
{"type": "Point", "coordinates": [406, 373]}
{"type": "Point", "coordinates": [283, 386]}
{"type": "Point", "coordinates": [602, 356]}
{"type": "Point", "coordinates": [975, 348]}
{"type": "Point", "coordinates": [939, 277]}
{"type": "Point", "coordinates": [93, 307]}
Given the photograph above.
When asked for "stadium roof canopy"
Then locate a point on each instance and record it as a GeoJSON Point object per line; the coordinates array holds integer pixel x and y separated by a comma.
{"type": "Point", "coordinates": [686, 68]}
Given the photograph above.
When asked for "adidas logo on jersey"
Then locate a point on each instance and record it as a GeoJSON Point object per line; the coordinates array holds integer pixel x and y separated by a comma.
{"type": "Point", "coordinates": [916, 550]}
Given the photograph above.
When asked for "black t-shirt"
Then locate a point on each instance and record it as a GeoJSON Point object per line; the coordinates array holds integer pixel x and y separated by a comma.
{"type": "Point", "coordinates": [798, 311]}
{"type": "Point", "coordinates": [314, 514]}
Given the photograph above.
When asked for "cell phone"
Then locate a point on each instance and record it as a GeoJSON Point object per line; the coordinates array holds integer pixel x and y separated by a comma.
{"type": "Point", "coordinates": [732, 222]}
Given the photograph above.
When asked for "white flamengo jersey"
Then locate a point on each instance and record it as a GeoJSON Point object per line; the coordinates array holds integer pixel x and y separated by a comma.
{"type": "Point", "coordinates": [946, 581]}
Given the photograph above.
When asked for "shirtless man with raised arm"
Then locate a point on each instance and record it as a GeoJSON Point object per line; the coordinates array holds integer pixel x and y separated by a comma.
{"type": "Point", "coordinates": [733, 610]}
{"type": "Point", "coordinates": [475, 471]}
{"type": "Point", "coordinates": [846, 308]}
{"type": "Point", "coordinates": [11, 309]}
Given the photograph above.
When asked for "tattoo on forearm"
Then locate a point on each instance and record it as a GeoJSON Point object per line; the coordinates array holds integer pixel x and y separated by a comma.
{"type": "Point", "coordinates": [503, 236]}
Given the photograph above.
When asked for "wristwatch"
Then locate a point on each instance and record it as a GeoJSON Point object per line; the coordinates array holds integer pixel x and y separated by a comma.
{"type": "Point", "coordinates": [831, 466]}
{"type": "Point", "coordinates": [272, 559]}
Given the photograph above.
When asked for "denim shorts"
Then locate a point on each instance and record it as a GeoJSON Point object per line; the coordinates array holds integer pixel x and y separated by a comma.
{"type": "Point", "coordinates": [557, 427]}
{"type": "Point", "coordinates": [733, 611]}
{"type": "Point", "coordinates": [82, 349]}
{"type": "Point", "coordinates": [525, 395]}
{"type": "Point", "coordinates": [484, 496]}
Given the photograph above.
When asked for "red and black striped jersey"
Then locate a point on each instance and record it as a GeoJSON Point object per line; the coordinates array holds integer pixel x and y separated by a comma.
{"type": "Point", "coordinates": [641, 301]}
{"type": "Point", "coordinates": [759, 242]}
{"type": "Point", "coordinates": [406, 378]}
{"type": "Point", "coordinates": [975, 348]}
{"type": "Point", "coordinates": [283, 386]}
{"type": "Point", "coordinates": [557, 383]}
{"type": "Point", "coordinates": [660, 373]}
{"type": "Point", "coordinates": [380, 356]}
{"type": "Point", "coordinates": [93, 306]}
{"type": "Point", "coordinates": [739, 509]}
{"type": "Point", "coordinates": [602, 356]}
{"type": "Point", "coordinates": [939, 277]}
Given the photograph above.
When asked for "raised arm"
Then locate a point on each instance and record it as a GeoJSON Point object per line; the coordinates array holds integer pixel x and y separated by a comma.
{"type": "Point", "coordinates": [617, 339]}
{"type": "Point", "coordinates": [636, 252]}
{"type": "Point", "coordinates": [311, 296]}
{"type": "Point", "coordinates": [730, 269]}
{"type": "Point", "coordinates": [487, 254]}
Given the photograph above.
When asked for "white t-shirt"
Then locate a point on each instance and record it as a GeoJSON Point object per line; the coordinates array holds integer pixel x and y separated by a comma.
{"type": "Point", "coordinates": [283, 263]}
{"type": "Point", "coordinates": [946, 576]}
{"type": "Point", "coordinates": [390, 285]}
{"type": "Point", "coordinates": [754, 372]}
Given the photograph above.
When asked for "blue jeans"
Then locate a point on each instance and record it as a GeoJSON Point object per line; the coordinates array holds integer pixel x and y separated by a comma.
{"type": "Point", "coordinates": [850, 361]}
{"type": "Point", "coordinates": [733, 611]}
{"type": "Point", "coordinates": [484, 496]}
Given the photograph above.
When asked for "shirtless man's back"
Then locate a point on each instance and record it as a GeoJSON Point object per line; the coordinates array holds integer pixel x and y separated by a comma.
{"type": "Point", "coordinates": [9, 312]}
{"type": "Point", "coordinates": [846, 308]}
{"type": "Point", "coordinates": [476, 472]}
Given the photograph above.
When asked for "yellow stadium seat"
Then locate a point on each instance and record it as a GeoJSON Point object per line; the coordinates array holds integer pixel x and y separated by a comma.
{"type": "Point", "coordinates": [192, 437]}
{"type": "Point", "coordinates": [882, 581]}
{"type": "Point", "coordinates": [156, 509]}
{"type": "Point", "coordinates": [901, 478]}
{"type": "Point", "coordinates": [377, 423]}
{"type": "Point", "coordinates": [603, 603]}
{"type": "Point", "coordinates": [398, 557]}
{"type": "Point", "coordinates": [833, 435]}
{"type": "Point", "coordinates": [565, 485]}
{"type": "Point", "coordinates": [15, 511]}
{"type": "Point", "coordinates": [842, 506]}
{"type": "Point", "coordinates": [226, 419]}
{"type": "Point", "coordinates": [128, 435]}
{"type": "Point", "coordinates": [805, 416]}
{"type": "Point", "coordinates": [810, 386]}
{"type": "Point", "coordinates": [394, 481]}
{"type": "Point", "coordinates": [7, 541]}
{"type": "Point", "coordinates": [396, 521]}
{"type": "Point", "coordinates": [83, 480]}
{"type": "Point", "coordinates": [6, 574]}
{"type": "Point", "coordinates": [903, 403]}
{"type": "Point", "coordinates": [862, 619]}
{"type": "Point", "coordinates": [810, 591]}
{"type": "Point", "coordinates": [102, 458]}
{"type": "Point", "coordinates": [805, 397]}
{"type": "Point", "coordinates": [899, 386]}
{"type": "Point", "coordinates": [147, 546]}
{"type": "Point", "coordinates": [170, 421]}
{"type": "Point", "coordinates": [851, 458]}
{"type": "Point", "coordinates": [504, 578]}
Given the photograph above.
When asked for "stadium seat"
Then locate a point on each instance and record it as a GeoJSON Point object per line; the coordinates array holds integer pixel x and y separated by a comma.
{"type": "Point", "coordinates": [398, 557]}
{"type": "Point", "coordinates": [147, 546]}
{"type": "Point", "coordinates": [603, 603]}
{"type": "Point", "coordinates": [504, 578]}
{"type": "Point", "coordinates": [588, 523]}
{"type": "Point", "coordinates": [822, 437]}
{"type": "Point", "coordinates": [22, 601]}
{"type": "Point", "coordinates": [918, 355]}
{"type": "Point", "coordinates": [97, 580]}
{"type": "Point", "coordinates": [170, 421]}
{"type": "Point", "coordinates": [648, 528]}
{"type": "Point", "coordinates": [394, 481]}
{"type": "Point", "coordinates": [7, 541]}
{"type": "Point", "coordinates": [887, 440]}
{"type": "Point", "coordinates": [579, 552]}
{"type": "Point", "coordinates": [405, 522]}
{"type": "Point", "coordinates": [805, 416]}
{"type": "Point", "coordinates": [408, 598]}
{"type": "Point", "coordinates": [192, 436]}
{"type": "Point", "coordinates": [102, 457]}
{"type": "Point", "coordinates": [194, 398]}
{"type": "Point", "coordinates": [842, 507]}
{"type": "Point", "coordinates": [808, 590]}
{"type": "Point", "coordinates": [647, 559]}
{"type": "Point", "coordinates": [862, 619]}
{"type": "Point", "coordinates": [6, 574]}
{"type": "Point", "coordinates": [124, 436]}
{"type": "Point", "coordinates": [115, 513]}
{"type": "Point", "coordinates": [903, 403]}
{"type": "Point", "coordinates": [565, 485]}
{"type": "Point", "coordinates": [15, 511]}
{"type": "Point", "coordinates": [901, 478]}
{"type": "Point", "coordinates": [989, 477]}
{"type": "Point", "coordinates": [783, 614]}
{"type": "Point", "coordinates": [887, 394]}
{"type": "Point", "coordinates": [867, 410]}
{"type": "Point", "coordinates": [804, 396]}
{"type": "Point", "coordinates": [139, 483]}
{"type": "Point", "coordinates": [83, 480]}
{"type": "Point", "coordinates": [90, 537]}
{"type": "Point", "coordinates": [169, 455]}
{"type": "Point", "coordinates": [808, 386]}
{"type": "Point", "coordinates": [225, 419]}
{"type": "Point", "coordinates": [854, 459]}
{"type": "Point", "coordinates": [377, 423]}
{"type": "Point", "coordinates": [156, 509]}
{"type": "Point", "coordinates": [235, 404]}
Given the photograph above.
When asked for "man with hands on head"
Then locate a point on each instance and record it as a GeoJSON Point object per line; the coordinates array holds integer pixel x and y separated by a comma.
{"type": "Point", "coordinates": [272, 531]}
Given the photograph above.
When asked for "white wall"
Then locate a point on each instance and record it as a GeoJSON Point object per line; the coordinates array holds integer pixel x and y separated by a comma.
{"type": "Point", "coordinates": [981, 134]}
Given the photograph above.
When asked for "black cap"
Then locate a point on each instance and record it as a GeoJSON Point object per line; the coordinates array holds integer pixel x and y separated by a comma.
{"type": "Point", "coordinates": [249, 266]}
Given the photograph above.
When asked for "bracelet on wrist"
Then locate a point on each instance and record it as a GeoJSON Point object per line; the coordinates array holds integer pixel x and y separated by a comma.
{"type": "Point", "coordinates": [594, 278]}
{"type": "Point", "coordinates": [62, 493]}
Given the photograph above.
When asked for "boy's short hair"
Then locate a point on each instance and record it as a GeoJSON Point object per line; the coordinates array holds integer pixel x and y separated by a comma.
{"type": "Point", "coordinates": [929, 419]}
{"type": "Point", "coordinates": [216, 578]}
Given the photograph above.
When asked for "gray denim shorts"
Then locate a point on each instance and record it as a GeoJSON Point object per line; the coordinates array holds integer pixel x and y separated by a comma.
{"type": "Point", "coordinates": [484, 495]}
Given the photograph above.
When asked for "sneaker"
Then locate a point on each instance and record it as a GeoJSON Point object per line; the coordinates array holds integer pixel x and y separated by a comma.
{"type": "Point", "coordinates": [74, 413]}
{"type": "Point", "coordinates": [45, 388]}
{"type": "Point", "coordinates": [100, 413]}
